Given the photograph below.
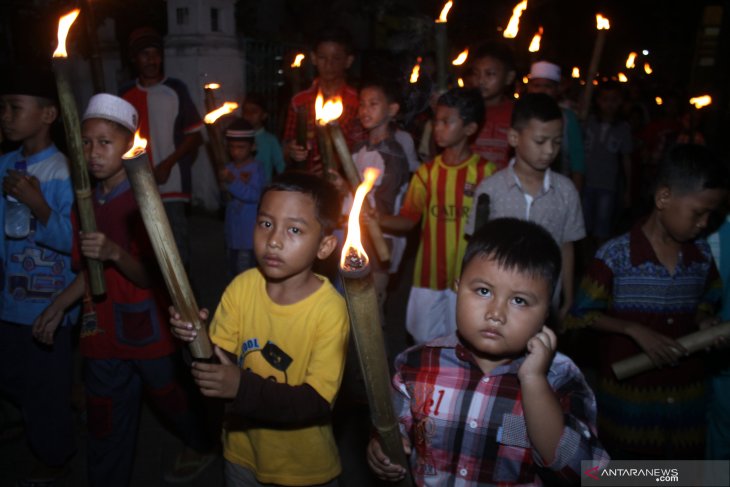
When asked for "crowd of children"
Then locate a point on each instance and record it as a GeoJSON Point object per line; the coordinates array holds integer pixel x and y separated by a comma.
{"type": "Point", "coordinates": [502, 211]}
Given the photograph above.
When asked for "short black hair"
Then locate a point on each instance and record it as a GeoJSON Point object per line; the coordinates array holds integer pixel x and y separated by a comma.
{"type": "Point", "coordinates": [689, 168]}
{"type": "Point", "coordinates": [257, 99]}
{"type": "Point", "coordinates": [336, 34]}
{"type": "Point", "coordinates": [497, 50]}
{"type": "Point", "coordinates": [390, 88]}
{"type": "Point", "coordinates": [467, 101]}
{"type": "Point", "coordinates": [327, 202]}
{"type": "Point", "coordinates": [538, 106]}
{"type": "Point", "coordinates": [519, 245]}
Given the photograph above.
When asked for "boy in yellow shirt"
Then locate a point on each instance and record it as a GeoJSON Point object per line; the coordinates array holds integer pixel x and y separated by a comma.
{"type": "Point", "coordinates": [281, 333]}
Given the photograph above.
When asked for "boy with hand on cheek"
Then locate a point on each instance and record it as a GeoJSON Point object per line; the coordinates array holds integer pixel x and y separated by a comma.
{"type": "Point", "coordinates": [281, 337]}
{"type": "Point", "coordinates": [494, 404]}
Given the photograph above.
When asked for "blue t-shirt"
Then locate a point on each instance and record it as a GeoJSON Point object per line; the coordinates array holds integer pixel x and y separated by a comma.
{"type": "Point", "coordinates": [269, 154]}
{"type": "Point", "coordinates": [245, 190]}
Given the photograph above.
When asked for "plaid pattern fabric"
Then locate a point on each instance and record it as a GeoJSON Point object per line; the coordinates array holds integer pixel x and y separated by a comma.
{"type": "Point", "coordinates": [469, 429]}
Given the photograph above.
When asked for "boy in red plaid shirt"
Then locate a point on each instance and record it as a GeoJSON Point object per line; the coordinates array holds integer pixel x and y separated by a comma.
{"type": "Point", "coordinates": [494, 404]}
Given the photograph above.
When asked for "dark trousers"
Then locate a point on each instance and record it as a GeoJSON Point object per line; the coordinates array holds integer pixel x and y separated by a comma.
{"type": "Point", "coordinates": [113, 391]}
{"type": "Point", "coordinates": [37, 378]}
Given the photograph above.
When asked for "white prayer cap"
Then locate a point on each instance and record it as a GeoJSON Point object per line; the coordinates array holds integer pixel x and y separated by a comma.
{"type": "Point", "coordinates": [113, 108]}
{"type": "Point", "coordinates": [545, 70]}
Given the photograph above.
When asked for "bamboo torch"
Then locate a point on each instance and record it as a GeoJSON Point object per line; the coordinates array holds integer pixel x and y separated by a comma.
{"type": "Point", "coordinates": [144, 187]}
{"type": "Point", "coordinates": [324, 113]}
{"type": "Point", "coordinates": [353, 177]}
{"type": "Point", "coordinates": [441, 36]}
{"type": "Point", "coordinates": [217, 147]}
{"type": "Point", "coordinates": [79, 170]}
{"type": "Point", "coordinates": [693, 342]}
{"type": "Point", "coordinates": [362, 305]}
{"type": "Point", "coordinates": [602, 25]}
{"type": "Point", "coordinates": [209, 90]}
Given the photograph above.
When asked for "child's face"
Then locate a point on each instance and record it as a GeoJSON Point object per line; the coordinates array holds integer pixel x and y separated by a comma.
{"type": "Point", "coordinates": [288, 237]}
{"type": "Point", "coordinates": [491, 77]}
{"type": "Point", "coordinates": [609, 103]}
{"type": "Point", "coordinates": [23, 117]}
{"type": "Point", "coordinates": [374, 110]}
{"type": "Point", "coordinates": [104, 146]}
{"type": "Point", "coordinates": [498, 310]}
{"type": "Point", "coordinates": [448, 127]}
{"type": "Point", "coordinates": [685, 216]}
{"type": "Point", "coordinates": [253, 114]}
{"type": "Point", "coordinates": [542, 85]}
{"type": "Point", "coordinates": [537, 143]}
{"type": "Point", "coordinates": [331, 60]}
{"type": "Point", "coordinates": [239, 150]}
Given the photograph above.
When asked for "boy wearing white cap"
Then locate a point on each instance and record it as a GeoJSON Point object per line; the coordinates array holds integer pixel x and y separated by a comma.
{"type": "Point", "coordinates": [545, 78]}
{"type": "Point", "coordinates": [124, 340]}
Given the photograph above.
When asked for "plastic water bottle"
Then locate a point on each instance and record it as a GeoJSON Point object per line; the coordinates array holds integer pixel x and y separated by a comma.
{"type": "Point", "coordinates": [17, 214]}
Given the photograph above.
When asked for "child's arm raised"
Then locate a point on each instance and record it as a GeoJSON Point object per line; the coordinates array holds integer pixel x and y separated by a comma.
{"type": "Point", "coordinates": [543, 414]}
{"type": "Point", "coordinates": [96, 245]}
{"type": "Point", "coordinates": [27, 189]}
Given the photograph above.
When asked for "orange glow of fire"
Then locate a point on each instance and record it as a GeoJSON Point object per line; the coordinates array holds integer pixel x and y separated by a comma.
{"type": "Point", "coordinates": [138, 147]}
{"type": "Point", "coordinates": [64, 25]}
{"type": "Point", "coordinates": [461, 58]}
{"type": "Point", "coordinates": [525, 80]}
{"type": "Point", "coordinates": [297, 63]}
{"type": "Point", "coordinates": [595, 82]}
{"type": "Point", "coordinates": [516, 95]}
{"type": "Point", "coordinates": [647, 68]}
{"type": "Point", "coordinates": [631, 60]}
{"type": "Point", "coordinates": [513, 27]}
{"type": "Point", "coordinates": [445, 12]}
{"type": "Point", "coordinates": [415, 72]}
{"type": "Point", "coordinates": [329, 111]}
{"type": "Point", "coordinates": [535, 44]}
{"type": "Point", "coordinates": [460, 82]}
{"type": "Point", "coordinates": [225, 109]}
{"type": "Point", "coordinates": [575, 73]}
{"type": "Point", "coordinates": [212, 86]}
{"type": "Point", "coordinates": [353, 240]}
{"type": "Point", "coordinates": [622, 78]}
{"type": "Point", "coordinates": [701, 101]}
{"type": "Point", "coordinates": [659, 100]}
{"type": "Point", "coordinates": [602, 22]}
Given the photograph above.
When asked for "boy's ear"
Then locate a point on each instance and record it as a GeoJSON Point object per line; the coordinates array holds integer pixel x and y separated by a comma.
{"type": "Point", "coordinates": [326, 246]}
{"type": "Point", "coordinates": [471, 128]}
{"type": "Point", "coordinates": [49, 114]}
{"type": "Point", "coordinates": [456, 285]}
{"type": "Point", "coordinates": [661, 197]}
{"type": "Point", "coordinates": [512, 137]}
{"type": "Point", "coordinates": [510, 77]}
{"type": "Point", "coordinates": [313, 58]}
{"type": "Point", "coordinates": [349, 61]}
{"type": "Point", "coordinates": [393, 109]}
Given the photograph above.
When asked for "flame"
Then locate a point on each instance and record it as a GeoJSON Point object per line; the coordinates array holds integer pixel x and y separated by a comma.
{"type": "Point", "coordinates": [461, 58]}
{"type": "Point", "coordinates": [622, 78]}
{"type": "Point", "coordinates": [353, 240]}
{"type": "Point", "coordinates": [576, 72]}
{"type": "Point", "coordinates": [64, 25]}
{"type": "Point", "coordinates": [535, 44]}
{"type": "Point", "coordinates": [513, 27]}
{"type": "Point", "coordinates": [138, 147]}
{"type": "Point", "coordinates": [445, 12]}
{"type": "Point", "coordinates": [516, 95]}
{"type": "Point", "coordinates": [297, 63]}
{"type": "Point", "coordinates": [212, 86]}
{"type": "Point", "coordinates": [647, 68]}
{"type": "Point", "coordinates": [631, 60]}
{"type": "Point", "coordinates": [225, 109]}
{"type": "Point", "coordinates": [327, 112]}
{"type": "Point", "coordinates": [701, 101]}
{"type": "Point", "coordinates": [595, 82]}
{"type": "Point", "coordinates": [659, 100]}
{"type": "Point", "coordinates": [415, 72]}
{"type": "Point", "coordinates": [602, 22]}
{"type": "Point", "coordinates": [525, 80]}
{"type": "Point", "coordinates": [460, 82]}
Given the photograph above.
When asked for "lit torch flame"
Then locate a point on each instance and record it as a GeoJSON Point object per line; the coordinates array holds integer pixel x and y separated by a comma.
{"type": "Point", "coordinates": [535, 44]}
{"type": "Point", "coordinates": [513, 27]}
{"type": "Point", "coordinates": [327, 112]}
{"type": "Point", "coordinates": [212, 86]}
{"type": "Point", "coordinates": [659, 100]}
{"type": "Point", "coordinates": [298, 61]}
{"type": "Point", "coordinates": [576, 72]}
{"type": "Point", "coordinates": [461, 58]}
{"type": "Point", "coordinates": [647, 68]}
{"type": "Point", "coordinates": [445, 12]}
{"type": "Point", "coordinates": [64, 25]}
{"type": "Point", "coordinates": [602, 22]}
{"type": "Point", "coordinates": [622, 78]}
{"type": "Point", "coordinates": [631, 60]}
{"type": "Point", "coordinates": [460, 82]}
{"type": "Point", "coordinates": [353, 254]}
{"type": "Point", "coordinates": [227, 108]}
{"type": "Point", "coordinates": [138, 147]}
{"type": "Point", "coordinates": [701, 101]}
{"type": "Point", "coordinates": [416, 71]}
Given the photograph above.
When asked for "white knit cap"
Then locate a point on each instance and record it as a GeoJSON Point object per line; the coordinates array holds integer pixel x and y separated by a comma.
{"type": "Point", "coordinates": [545, 70]}
{"type": "Point", "coordinates": [110, 107]}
